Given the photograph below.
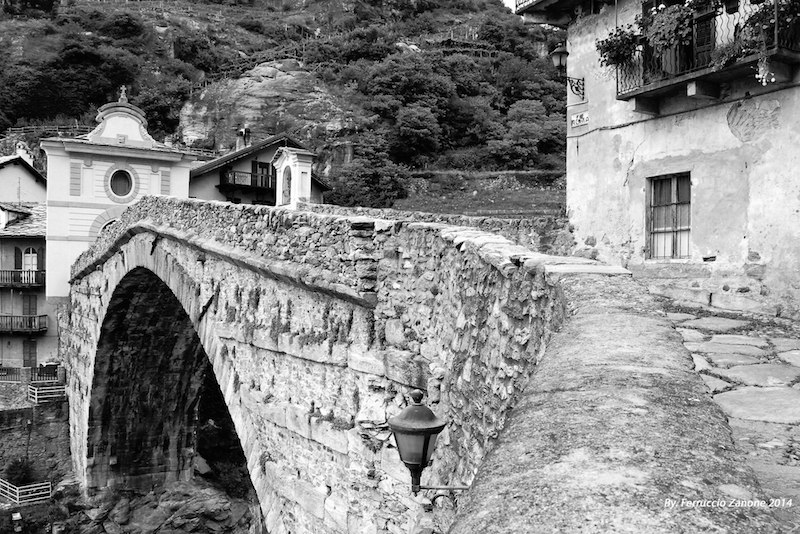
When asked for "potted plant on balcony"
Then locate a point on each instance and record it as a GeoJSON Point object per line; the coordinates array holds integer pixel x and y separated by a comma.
{"type": "Point", "coordinates": [668, 30]}
{"type": "Point", "coordinates": [619, 47]}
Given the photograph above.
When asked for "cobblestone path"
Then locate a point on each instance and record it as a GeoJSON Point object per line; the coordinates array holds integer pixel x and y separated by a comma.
{"type": "Point", "coordinates": [752, 369]}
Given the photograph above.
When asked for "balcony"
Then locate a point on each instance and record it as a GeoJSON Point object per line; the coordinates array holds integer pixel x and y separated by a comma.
{"type": "Point", "coordinates": [239, 179]}
{"type": "Point", "coordinates": [23, 324]}
{"type": "Point", "coordinates": [18, 278]}
{"type": "Point", "coordinates": [727, 43]}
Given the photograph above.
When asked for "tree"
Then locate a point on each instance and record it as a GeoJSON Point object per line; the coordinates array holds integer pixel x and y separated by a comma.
{"type": "Point", "coordinates": [418, 134]}
{"type": "Point", "coordinates": [371, 179]}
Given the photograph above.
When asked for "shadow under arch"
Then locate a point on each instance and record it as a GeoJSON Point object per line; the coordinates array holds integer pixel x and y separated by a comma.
{"type": "Point", "coordinates": [150, 369]}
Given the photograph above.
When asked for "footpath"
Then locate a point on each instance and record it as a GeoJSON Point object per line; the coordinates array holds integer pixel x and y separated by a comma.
{"type": "Point", "coordinates": [751, 366]}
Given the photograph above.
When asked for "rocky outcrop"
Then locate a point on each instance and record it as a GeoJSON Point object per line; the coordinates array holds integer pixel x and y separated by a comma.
{"type": "Point", "coordinates": [180, 507]}
{"type": "Point", "coordinates": [273, 96]}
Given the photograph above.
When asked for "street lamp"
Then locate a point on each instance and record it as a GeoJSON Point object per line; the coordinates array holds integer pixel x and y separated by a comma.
{"type": "Point", "coordinates": [559, 58]}
{"type": "Point", "coordinates": [415, 430]}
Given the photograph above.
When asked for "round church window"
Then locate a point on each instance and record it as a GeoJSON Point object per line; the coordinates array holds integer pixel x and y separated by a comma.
{"type": "Point", "coordinates": [121, 183]}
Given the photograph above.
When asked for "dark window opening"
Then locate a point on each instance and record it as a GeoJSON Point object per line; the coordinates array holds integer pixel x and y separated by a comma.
{"type": "Point", "coordinates": [121, 183]}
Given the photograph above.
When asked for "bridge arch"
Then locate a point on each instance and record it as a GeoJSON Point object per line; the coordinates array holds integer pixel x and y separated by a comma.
{"type": "Point", "coordinates": [148, 371]}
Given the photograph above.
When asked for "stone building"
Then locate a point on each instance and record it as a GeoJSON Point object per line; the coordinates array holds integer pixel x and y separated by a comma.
{"type": "Point", "coordinates": [275, 172]}
{"type": "Point", "coordinates": [682, 155]}
{"type": "Point", "coordinates": [27, 322]}
{"type": "Point", "coordinates": [19, 180]}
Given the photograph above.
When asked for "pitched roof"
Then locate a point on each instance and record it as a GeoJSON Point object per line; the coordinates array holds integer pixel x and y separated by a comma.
{"type": "Point", "coordinates": [17, 208]}
{"type": "Point", "coordinates": [16, 159]}
{"type": "Point", "coordinates": [214, 164]}
{"type": "Point", "coordinates": [32, 224]}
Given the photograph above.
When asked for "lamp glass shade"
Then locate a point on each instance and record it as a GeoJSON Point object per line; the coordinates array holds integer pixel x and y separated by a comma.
{"type": "Point", "coordinates": [559, 57]}
{"type": "Point", "coordinates": [410, 447]}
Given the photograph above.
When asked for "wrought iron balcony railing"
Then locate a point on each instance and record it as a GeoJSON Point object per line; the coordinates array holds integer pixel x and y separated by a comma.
{"type": "Point", "coordinates": [22, 324]}
{"type": "Point", "coordinates": [21, 278]}
{"type": "Point", "coordinates": [247, 179]}
{"type": "Point", "coordinates": [723, 37]}
{"type": "Point", "coordinates": [519, 4]}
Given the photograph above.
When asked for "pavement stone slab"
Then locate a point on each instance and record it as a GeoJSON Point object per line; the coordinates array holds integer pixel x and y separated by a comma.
{"type": "Point", "coordinates": [677, 317]}
{"type": "Point", "coordinates": [729, 360]}
{"type": "Point", "coordinates": [700, 363]}
{"type": "Point", "coordinates": [782, 344]}
{"type": "Point", "coordinates": [764, 374]}
{"type": "Point", "coordinates": [792, 357]}
{"type": "Point", "coordinates": [715, 324]}
{"type": "Point", "coordinates": [769, 404]}
{"type": "Point", "coordinates": [710, 347]}
{"type": "Point", "coordinates": [691, 335]}
{"type": "Point", "coordinates": [715, 384]}
{"type": "Point", "coordinates": [734, 339]}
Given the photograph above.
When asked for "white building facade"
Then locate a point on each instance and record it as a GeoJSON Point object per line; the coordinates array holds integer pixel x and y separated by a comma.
{"type": "Point", "coordinates": [681, 163]}
{"type": "Point", "coordinates": [93, 178]}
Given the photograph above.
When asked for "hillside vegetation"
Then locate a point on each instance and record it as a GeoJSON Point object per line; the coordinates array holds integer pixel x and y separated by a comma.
{"type": "Point", "coordinates": [437, 84]}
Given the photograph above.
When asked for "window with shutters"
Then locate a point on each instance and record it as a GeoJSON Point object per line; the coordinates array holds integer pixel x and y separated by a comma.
{"type": "Point", "coordinates": [669, 216]}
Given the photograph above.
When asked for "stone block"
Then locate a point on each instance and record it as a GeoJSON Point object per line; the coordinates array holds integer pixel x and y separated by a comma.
{"type": "Point", "coordinates": [395, 333]}
{"type": "Point", "coordinates": [298, 420]}
{"type": "Point", "coordinates": [310, 498]}
{"type": "Point", "coordinates": [263, 339]}
{"type": "Point", "coordinates": [406, 368]}
{"type": "Point", "coordinates": [323, 432]}
{"type": "Point", "coordinates": [275, 412]}
{"type": "Point", "coordinates": [727, 301]}
{"type": "Point", "coordinates": [695, 295]}
{"type": "Point", "coordinates": [336, 511]}
{"type": "Point", "coordinates": [393, 466]}
{"type": "Point", "coordinates": [366, 361]}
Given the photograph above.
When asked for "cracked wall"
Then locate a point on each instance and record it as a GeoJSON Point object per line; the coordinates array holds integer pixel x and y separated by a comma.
{"type": "Point", "coordinates": [741, 153]}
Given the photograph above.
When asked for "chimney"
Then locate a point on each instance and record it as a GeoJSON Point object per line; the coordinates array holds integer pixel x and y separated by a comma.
{"type": "Point", "coordinates": [242, 137]}
{"type": "Point", "coordinates": [246, 135]}
{"type": "Point", "coordinates": [24, 153]}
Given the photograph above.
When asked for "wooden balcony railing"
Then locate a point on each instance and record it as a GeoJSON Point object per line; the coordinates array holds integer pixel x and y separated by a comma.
{"type": "Point", "coordinates": [21, 278]}
{"type": "Point", "coordinates": [247, 179]}
{"type": "Point", "coordinates": [724, 39]}
{"type": "Point", "coordinates": [22, 324]}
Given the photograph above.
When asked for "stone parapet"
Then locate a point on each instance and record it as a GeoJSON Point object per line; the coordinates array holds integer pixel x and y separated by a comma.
{"type": "Point", "coordinates": [551, 235]}
{"type": "Point", "coordinates": [612, 428]}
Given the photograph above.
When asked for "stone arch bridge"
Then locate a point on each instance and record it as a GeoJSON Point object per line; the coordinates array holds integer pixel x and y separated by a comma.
{"type": "Point", "coordinates": [571, 402]}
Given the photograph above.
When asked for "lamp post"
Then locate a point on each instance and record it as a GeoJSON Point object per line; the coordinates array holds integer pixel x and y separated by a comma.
{"type": "Point", "coordinates": [415, 431]}
{"type": "Point", "coordinates": [559, 58]}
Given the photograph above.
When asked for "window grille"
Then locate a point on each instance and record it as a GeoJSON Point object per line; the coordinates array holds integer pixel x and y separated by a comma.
{"type": "Point", "coordinates": [669, 217]}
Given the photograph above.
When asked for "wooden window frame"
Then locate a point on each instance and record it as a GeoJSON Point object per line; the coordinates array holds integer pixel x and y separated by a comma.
{"type": "Point", "coordinates": [674, 229]}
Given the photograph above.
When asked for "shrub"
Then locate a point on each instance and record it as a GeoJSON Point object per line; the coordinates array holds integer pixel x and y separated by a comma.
{"type": "Point", "coordinates": [19, 472]}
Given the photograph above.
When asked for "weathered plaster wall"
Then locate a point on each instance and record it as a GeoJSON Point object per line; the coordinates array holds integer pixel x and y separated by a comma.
{"type": "Point", "coordinates": [315, 326]}
{"type": "Point", "coordinates": [549, 235]}
{"type": "Point", "coordinates": [741, 153]}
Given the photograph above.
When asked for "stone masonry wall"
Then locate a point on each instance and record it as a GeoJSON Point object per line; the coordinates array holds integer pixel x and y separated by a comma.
{"type": "Point", "coordinates": [48, 443]}
{"type": "Point", "coordinates": [315, 339]}
{"type": "Point", "coordinates": [549, 235]}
